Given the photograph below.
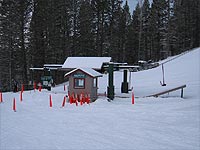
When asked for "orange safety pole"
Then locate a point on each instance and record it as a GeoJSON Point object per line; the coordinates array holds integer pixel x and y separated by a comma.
{"type": "Point", "coordinates": [22, 89]}
{"type": "Point", "coordinates": [40, 87]}
{"type": "Point", "coordinates": [50, 101]}
{"type": "Point", "coordinates": [21, 96]}
{"type": "Point", "coordinates": [14, 105]}
{"type": "Point", "coordinates": [73, 98]}
{"type": "Point", "coordinates": [34, 86]}
{"type": "Point", "coordinates": [84, 98]}
{"type": "Point", "coordinates": [64, 101]}
{"type": "Point", "coordinates": [1, 97]}
{"type": "Point", "coordinates": [133, 99]}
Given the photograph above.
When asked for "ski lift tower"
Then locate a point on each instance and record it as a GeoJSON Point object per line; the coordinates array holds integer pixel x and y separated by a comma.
{"type": "Point", "coordinates": [110, 88]}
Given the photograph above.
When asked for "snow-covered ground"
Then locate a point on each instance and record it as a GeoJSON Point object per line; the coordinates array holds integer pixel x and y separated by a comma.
{"type": "Point", "coordinates": [167, 122]}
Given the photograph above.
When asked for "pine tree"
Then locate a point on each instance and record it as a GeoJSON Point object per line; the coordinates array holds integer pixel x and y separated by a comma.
{"type": "Point", "coordinates": [25, 7]}
{"type": "Point", "coordinates": [186, 14]}
{"type": "Point", "coordinates": [133, 36]}
{"type": "Point", "coordinates": [158, 27]}
{"type": "Point", "coordinates": [100, 10]}
{"type": "Point", "coordinates": [86, 38]}
{"type": "Point", "coordinates": [124, 24]}
{"type": "Point", "coordinates": [57, 31]}
{"type": "Point", "coordinates": [15, 18]}
{"type": "Point", "coordinates": [6, 44]}
{"type": "Point", "coordinates": [145, 32]}
{"type": "Point", "coordinates": [73, 18]}
{"type": "Point", "coordinates": [113, 29]}
{"type": "Point", "coordinates": [39, 33]}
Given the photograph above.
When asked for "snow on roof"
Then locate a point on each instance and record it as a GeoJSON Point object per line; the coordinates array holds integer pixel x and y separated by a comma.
{"type": "Point", "coordinates": [36, 68]}
{"type": "Point", "coordinates": [85, 62]}
{"type": "Point", "coordinates": [88, 71]}
{"type": "Point", "coordinates": [52, 65]}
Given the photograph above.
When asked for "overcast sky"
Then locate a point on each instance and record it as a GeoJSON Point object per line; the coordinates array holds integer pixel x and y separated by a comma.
{"type": "Point", "coordinates": [132, 4]}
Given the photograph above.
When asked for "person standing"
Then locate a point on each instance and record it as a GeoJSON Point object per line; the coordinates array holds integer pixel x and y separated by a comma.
{"type": "Point", "coordinates": [1, 87]}
{"type": "Point", "coordinates": [15, 85]}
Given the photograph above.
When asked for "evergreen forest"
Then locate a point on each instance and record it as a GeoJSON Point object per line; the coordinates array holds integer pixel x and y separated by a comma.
{"type": "Point", "coordinates": [38, 32]}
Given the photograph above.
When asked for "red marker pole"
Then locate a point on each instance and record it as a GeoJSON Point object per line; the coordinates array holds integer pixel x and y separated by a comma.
{"type": "Point", "coordinates": [22, 89]}
{"type": "Point", "coordinates": [64, 101]}
{"type": "Point", "coordinates": [1, 97]}
{"type": "Point", "coordinates": [50, 101]}
{"type": "Point", "coordinates": [87, 98]}
{"type": "Point", "coordinates": [40, 87]}
{"type": "Point", "coordinates": [133, 99]}
{"type": "Point", "coordinates": [34, 86]}
{"type": "Point", "coordinates": [21, 96]}
{"type": "Point", "coordinates": [14, 105]}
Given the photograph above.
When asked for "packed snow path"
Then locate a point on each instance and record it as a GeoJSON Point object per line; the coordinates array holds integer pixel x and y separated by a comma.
{"type": "Point", "coordinates": [167, 122]}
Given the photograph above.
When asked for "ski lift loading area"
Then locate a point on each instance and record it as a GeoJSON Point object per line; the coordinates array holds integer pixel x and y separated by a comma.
{"type": "Point", "coordinates": [105, 65]}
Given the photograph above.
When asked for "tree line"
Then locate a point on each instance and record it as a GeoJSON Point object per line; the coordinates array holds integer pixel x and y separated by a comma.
{"type": "Point", "coordinates": [37, 32]}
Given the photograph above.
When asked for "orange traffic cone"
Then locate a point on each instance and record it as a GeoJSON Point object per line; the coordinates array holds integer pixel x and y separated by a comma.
{"type": "Point", "coordinates": [81, 99]}
{"type": "Point", "coordinates": [84, 98]}
{"type": "Point", "coordinates": [76, 100]}
{"type": "Point", "coordinates": [68, 94]}
{"type": "Point", "coordinates": [76, 103]}
{"type": "Point", "coordinates": [88, 99]}
{"type": "Point", "coordinates": [50, 101]}
{"type": "Point", "coordinates": [14, 105]}
{"type": "Point", "coordinates": [70, 99]}
{"type": "Point", "coordinates": [64, 101]}
{"type": "Point", "coordinates": [1, 97]}
{"type": "Point", "coordinates": [40, 87]}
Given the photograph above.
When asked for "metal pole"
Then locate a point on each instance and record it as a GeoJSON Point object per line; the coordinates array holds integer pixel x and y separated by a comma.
{"type": "Point", "coordinates": [110, 88]}
{"type": "Point", "coordinates": [163, 84]}
{"type": "Point", "coordinates": [182, 93]}
{"type": "Point", "coordinates": [129, 82]}
{"type": "Point", "coordinates": [124, 86]}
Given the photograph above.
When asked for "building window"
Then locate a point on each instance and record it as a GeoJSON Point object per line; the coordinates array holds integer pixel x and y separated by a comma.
{"type": "Point", "coordinates": [79, 83]}
{"type": "Point", "coordinates": [95, 82]}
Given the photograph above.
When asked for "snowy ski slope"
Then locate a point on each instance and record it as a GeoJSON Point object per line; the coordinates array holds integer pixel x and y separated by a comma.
{"type": "Point", "coordinates": [167, 122]}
